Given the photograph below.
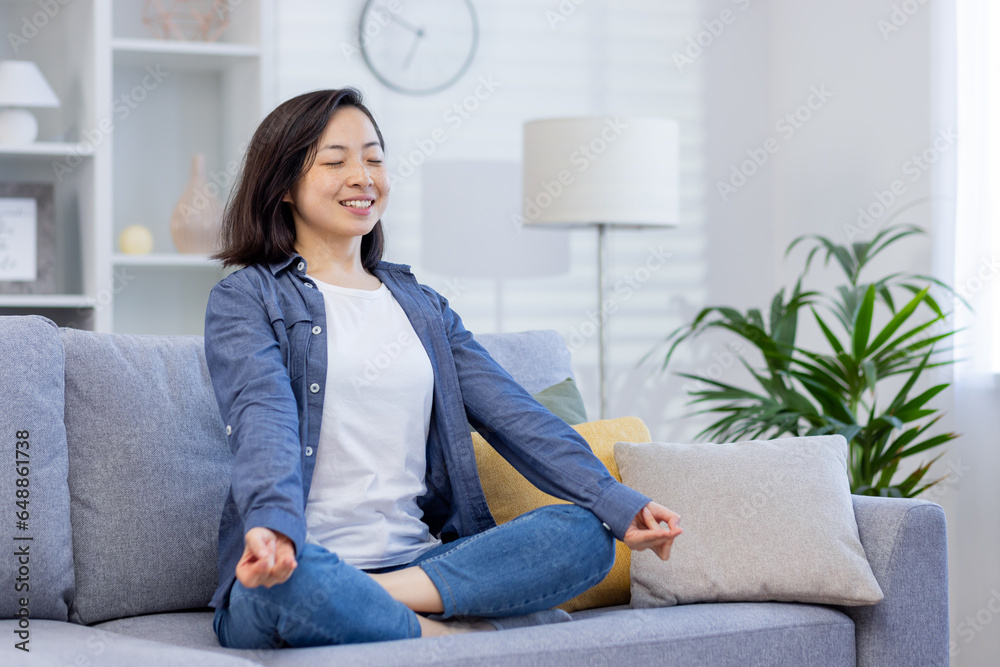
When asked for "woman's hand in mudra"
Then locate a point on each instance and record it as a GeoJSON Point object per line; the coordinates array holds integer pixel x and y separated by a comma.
{"type": "Point", "coordinates": [645, 531]}
{"type": "Point", "coordinates": [268, 559]}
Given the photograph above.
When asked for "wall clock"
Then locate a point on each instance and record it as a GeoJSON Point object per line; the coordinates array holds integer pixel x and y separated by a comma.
{"type": "Point", "coordinates": [418, 47]}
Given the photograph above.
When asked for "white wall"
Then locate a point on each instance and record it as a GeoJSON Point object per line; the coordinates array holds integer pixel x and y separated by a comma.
{"type": "Point", "coordinates": [768, 64]}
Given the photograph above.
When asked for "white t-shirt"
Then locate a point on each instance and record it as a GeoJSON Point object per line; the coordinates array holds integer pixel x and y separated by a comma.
{"type": "Point", "coordinates": [371, 458]}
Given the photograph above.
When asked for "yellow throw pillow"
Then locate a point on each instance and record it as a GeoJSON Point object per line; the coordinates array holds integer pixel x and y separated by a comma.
{"type": "Point", "coordinates": [510, 495]}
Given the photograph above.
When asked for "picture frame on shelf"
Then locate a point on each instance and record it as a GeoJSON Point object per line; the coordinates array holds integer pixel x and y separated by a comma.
{"type": "Point", "coordinates": [27, 238]}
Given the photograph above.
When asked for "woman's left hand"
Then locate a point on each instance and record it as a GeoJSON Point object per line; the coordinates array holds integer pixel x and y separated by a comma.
{"type": "Point", "coordinates": [645, 531]}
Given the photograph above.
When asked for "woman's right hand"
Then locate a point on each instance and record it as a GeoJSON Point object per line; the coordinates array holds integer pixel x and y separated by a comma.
{"type": "Point", "coordinates": [268, 559]}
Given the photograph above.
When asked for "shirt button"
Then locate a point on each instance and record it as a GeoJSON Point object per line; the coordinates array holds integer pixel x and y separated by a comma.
{"type": "Point", "coordinates": [309, 284]}
{"type": "Point", "coordinates": [302, 265]}
{"type": "Point", "coordinates": [316, 330]}
{"type": "Point", "coordinates": [229, 429]}
{"type": "Point", "coordinates": [314, 387]}
{"type": "Point", "coordinates": [309, 451]}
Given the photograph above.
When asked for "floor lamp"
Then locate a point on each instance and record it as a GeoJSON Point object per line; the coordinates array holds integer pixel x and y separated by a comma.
{"type": "Point", "coordinates": [471, 213]}
{"type": "Point", "coordinates": [601, 172]}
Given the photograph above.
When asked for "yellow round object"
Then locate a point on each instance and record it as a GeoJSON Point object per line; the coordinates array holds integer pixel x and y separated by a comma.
{"type": "Point", "coordinates": [136, 240]}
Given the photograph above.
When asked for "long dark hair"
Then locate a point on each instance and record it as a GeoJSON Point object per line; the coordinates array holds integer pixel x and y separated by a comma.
{"type": "Point", "coordinates": [257, 226]}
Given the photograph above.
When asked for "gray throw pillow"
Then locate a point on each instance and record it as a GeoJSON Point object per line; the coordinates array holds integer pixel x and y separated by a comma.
{"type": "Point", "coordinates": [37, 561]}
{"type": "Point", "coordinates": [149, 472]}
{"type": "Point", "coordinates": [762, 520]}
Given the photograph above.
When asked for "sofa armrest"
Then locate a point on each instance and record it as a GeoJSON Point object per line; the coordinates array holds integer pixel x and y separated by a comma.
{"type": "Point", "coordinates": [907, 548]}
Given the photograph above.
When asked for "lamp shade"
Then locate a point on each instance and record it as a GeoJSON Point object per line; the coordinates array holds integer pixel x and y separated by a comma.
{"type": "Point", "coordinates": [22, 85]}
{"type": "Point", "coordinates": [601, 170]}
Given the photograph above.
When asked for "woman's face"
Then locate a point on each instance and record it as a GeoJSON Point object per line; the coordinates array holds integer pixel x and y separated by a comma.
{"type": "Point", "coordinates": [343, 194]}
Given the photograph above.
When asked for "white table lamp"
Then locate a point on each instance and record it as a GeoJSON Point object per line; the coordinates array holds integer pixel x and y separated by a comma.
{"type": "Point", "coordinates": [22, 85]}
{"type": "Point", "coordinates": [605, 171]}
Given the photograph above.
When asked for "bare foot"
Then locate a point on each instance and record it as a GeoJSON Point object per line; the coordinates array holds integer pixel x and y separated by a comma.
{"type": "Point", "coordinates": [469, 625]}
{"type": "Point", "coordinates": [452, 626]}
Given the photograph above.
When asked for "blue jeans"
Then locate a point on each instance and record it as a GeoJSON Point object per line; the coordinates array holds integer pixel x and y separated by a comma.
{"type": "Point", "coordinates": [534, 562]}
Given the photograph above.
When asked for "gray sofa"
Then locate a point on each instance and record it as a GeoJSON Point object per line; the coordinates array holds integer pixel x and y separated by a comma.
{"type": "Point", "coordinates": [127, 469]}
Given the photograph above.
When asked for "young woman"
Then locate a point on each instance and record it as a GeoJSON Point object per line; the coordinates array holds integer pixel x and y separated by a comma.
{"type": "Point", "coordinates": [355, 510]}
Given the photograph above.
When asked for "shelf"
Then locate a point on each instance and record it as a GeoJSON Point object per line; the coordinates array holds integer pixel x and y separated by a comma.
{"type": "Point", "coordinates": [181, 55]}
{"type": "Point", "coordinates": [166, 259]}
{"type": "Point", "coordinates": [46, 301]}
{"type": "Point", "coordinates": [47, 148]}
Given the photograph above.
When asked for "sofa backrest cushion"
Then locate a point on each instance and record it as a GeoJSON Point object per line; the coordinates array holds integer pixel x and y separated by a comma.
{"type": "Point", "coordinates": [37, 563]}
{"type": "Point", "coordinates": [537, 359]}
{"type": "Point", "coordinates": [149, 472]}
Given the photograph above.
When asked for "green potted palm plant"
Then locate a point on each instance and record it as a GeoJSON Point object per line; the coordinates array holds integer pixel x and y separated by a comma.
{"type": "Point", "coordinates": [843, 388]}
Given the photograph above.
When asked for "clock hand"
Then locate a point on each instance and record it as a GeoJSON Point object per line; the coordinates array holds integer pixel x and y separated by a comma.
{"type": "Point", "coordinates": [406, 24]}
{"type": "Point", "coordinates": [413, 49]}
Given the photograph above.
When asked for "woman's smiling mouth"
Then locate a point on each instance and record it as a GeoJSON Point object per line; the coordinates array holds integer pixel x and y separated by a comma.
{"type": "Point", "coordinates": [359, 206]}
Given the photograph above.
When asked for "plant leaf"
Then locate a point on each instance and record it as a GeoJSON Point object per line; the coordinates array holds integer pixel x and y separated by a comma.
{"type": "Point", "coordinates": [897, 321]}
{"type": "Point", "coordinates": [863, 323]}
{"type": "Point", "coordinates": [834, 343]}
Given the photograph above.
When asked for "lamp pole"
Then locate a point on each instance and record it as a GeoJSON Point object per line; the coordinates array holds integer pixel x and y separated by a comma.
{"type": "Point", "coordinates": [602, 339]}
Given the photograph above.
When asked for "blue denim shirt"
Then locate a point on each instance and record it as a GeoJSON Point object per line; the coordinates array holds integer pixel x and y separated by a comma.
{"type": "Point", "coordinates": [266, 348]}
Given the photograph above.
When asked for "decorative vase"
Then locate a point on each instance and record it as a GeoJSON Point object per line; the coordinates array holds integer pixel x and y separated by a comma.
{"type": "Point", "coordinates": [197, 217]}
{"type": "Point", "coordinates": [187, 20]}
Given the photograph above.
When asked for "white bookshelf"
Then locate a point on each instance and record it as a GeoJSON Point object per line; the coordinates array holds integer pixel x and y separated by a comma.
{"type": "Point", "coordinates": [208, 97]}
{"type": "Point", "coordinates": [46, 301]}
{"type": "Point", "coordinates": [166, 259]}
{"type": "Point", "coordinates": [182, 55]}
{"type": "Point", "coordinates": [64, 50]}
{"type": "Point", "coordinates": [48, 148]}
